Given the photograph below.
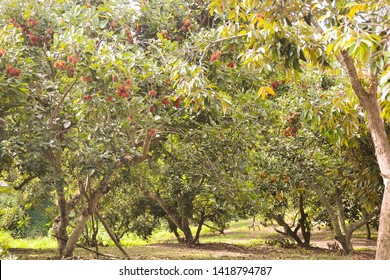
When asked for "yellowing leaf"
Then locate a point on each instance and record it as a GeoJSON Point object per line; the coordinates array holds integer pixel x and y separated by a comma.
{"type": "Point", "coordinates": [242, 33]}
{"type": "Point", "coordinates": [197, 104]}
{"type": "Point", "coordinates": [270, 90]}
{"type": "Point", "coordinates": [232, 14]}
{"type": "Point", "coordinates": [355, 9]}
{"type": "Point", "coordinates": [329, 48]}
{"type": "Point", "coordinates": [225, 105]}
{"type": "Point", "coordinates": [160, 36]}
{"type": "Point", "coordinates": [262, 92]}
{"type": "Point", "coordinates": [289, 73]}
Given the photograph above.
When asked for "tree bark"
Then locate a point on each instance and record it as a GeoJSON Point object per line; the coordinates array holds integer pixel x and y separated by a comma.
{"type": "Point", "coordinates": [287, 229]}
{"type": "Point", "coordinates": [62, 221]}
{"type": "Point", "coordinates": [368, 230]}
{"type": "Point", "coordinates": [369, 101]}
{"type": "Point", "coordinates": [81, 222]}
{"type": "Point", "coordinates": [303, 222]}
{"type": "Point", "coordinates": [181, 223]}
{"type": "Point", "coordinates": [199, 229]}
{"type": "Point", "coordinates": [185, 228]}
{"type": "Point", "coordinates": [93, 201]}
{"type": "Point", "coordinates": [329, 209]}
{"type": "Point", "coordinates": [342, 233]}
{"type": "Point", "coordinates": [74, 237]}
{"type": "Point", "coordinates": [345, 241]}
{"type": "Point", "coordinates": [340, 211]}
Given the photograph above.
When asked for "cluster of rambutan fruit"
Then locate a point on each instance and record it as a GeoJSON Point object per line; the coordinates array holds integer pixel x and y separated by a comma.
{"type": "Point", "coordinates": [31, 31]}
{"type": "Point", "coordinates": [67, 66]}
{"type": "Point", "coordinates": [187, 25]}
{"type": "Point", "coordinates": [217, 56]}
{"type": "Point", "coordinates": [275, 84]}
{"type": "Point", "coordinates": [12, 72]}
{"type": "Point", "coordinates": [9, 70]}
{"type": "Point", "coordinates": [293, 125]}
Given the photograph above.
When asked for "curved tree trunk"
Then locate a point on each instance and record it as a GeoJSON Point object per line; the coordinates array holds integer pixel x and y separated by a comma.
{"type": "Point", "coordinates": [340, 234]}
{"type": "Point", "coordinates": [74, 237]}
{"type": "Point", "coordinates": [345, 241]}
{"type": "Point", "coordinates": [112, 234]}
{"type": "Point", "coordinates": [62, 221]}
{"type": "Point", "coordinates": [279, 219]}
{"type": "Point", "coordinates": [369, 101]}
{"type": "Point", "coordinates": [200, 225]}
{"type": "Point", "coordinates": [302, 225]}
{"type": "Point", "coordinates": [81, 222]}
{"type": "Point", "coordinates": [181, 223]}
{"type": "Point", "coordinates": [93, 201]}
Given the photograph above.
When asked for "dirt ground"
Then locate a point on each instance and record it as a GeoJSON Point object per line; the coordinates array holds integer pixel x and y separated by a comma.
{"type": "Point", "coordinates": [233, 249]}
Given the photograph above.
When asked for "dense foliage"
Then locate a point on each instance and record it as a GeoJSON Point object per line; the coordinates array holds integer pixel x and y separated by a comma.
{"type": "Point", "coordinates": [186, 113]}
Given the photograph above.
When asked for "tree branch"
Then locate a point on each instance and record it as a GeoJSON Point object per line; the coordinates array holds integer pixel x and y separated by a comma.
{"type": "Point", "coordinates": [112, 234]}
{"type": "Point", "coordinates": [88, 249]}
{"type": "Point", "coordinates": [55, 112]}
{"type": "Point", "coordinates": [25, 182]}
{"type": "Point", "coordinates": [366, 217]}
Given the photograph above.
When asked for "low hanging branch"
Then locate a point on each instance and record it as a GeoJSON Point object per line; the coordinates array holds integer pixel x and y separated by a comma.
{"type": "Point", "coordinates": [214, 228]}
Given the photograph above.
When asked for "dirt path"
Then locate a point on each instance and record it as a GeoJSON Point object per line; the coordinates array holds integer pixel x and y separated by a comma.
{"type": "Point", "coordinates": [321, 239]}
{"type": "Point", "coordinates": [212, 251]}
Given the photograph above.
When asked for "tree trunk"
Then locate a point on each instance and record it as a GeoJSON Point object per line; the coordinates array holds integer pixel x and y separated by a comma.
{"type": "Point", "coordinates": [94, 233]}
{"type": "Point", "coordinates": [62, 221]}
{"type": "Point", "coordinates": [368, 230]}
{"type": "Point", "coordinates": [185, 228]}
{"type": "Point", "coordinates": [170, 212]}
{"type": "Point", "coordinates": [369, 101]}
{"type": "Point", "coordinates": [343, 237]}
{"type": "Point", "coordinates": [81, 222]}
{"type": "Point", "coordinates": [181, 223]}
{"type": "Point", "coordinates": [382, 151]}
{"type": "Point", "coordinates": [329, 209]}
{"type": "Point", "coordinates": [287, 229]}
{"type": "Point", "coordinates": [303, 222]}
{"type": "Point", "coordinates": [112, 234]}
{"type": "Point", "coordinates": [340, 210]}
{"type": "Point", "coordinates": [200, 225]}
{"type": "Point", "coordinates": [345, 241]}
{"type": "Point", "coordinates": [74, 237]}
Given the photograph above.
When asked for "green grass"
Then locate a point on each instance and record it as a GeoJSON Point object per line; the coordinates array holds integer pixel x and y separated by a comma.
{"type": "Point", "coordinates": [238, 233]}
{"type": "Point", "coordinates": [36, 243]}
{"type": "Point", "coordinates": [238, 242]}
{"type": "Point", "coordinates": [5, 242]}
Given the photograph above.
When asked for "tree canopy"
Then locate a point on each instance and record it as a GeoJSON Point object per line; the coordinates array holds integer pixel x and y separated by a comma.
{"type": "Point", "coordinates": [196, 113]}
